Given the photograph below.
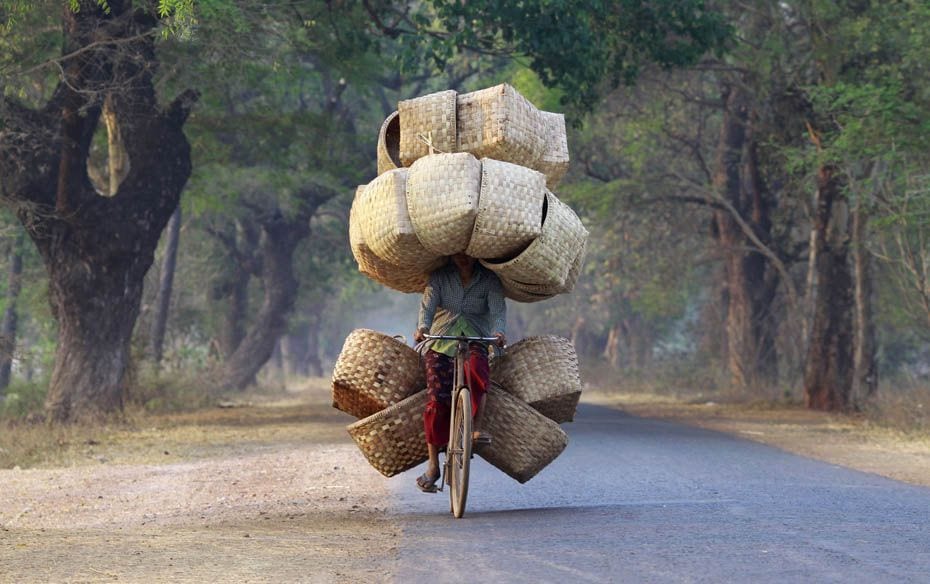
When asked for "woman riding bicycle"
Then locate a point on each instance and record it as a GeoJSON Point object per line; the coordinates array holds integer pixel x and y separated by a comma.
{"type": "Point", "coordinates": [462, 299]}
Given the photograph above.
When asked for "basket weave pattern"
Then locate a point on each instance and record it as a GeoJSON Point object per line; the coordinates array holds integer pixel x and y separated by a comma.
{"type": "Point", "coordinates": [374, 371]}
{"type": "Point", "coordinates": [510, 208]}
{"type": "Point", "coordinates": [524, 441]}
{"type": "Point", "coordinates": [393, 440]}
{"type": "Point", "coordinates": [386, 223]}
{"type": "Point", "coordinates": [547, 261]}
{"type": "Point", "coordinates": [554, 161]}
{"type": "Point", "coordinates": [400, 278]}
{"type": "Point", "coordinates": [431, 116]}
{"type": "Point", "coordinates": [542, 371]}
{"type": "Point", "coordinates": [389, 144]}
{"type": "Point", "coordinates": [499, 123]}
{"type": "Point", "coordinates": [442, 198]}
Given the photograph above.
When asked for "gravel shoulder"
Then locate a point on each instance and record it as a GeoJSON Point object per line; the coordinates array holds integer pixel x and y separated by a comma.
{"type": "Point", "coordinates": [843, 440]}
{"type": "Point", "coordinates": [271, 492]}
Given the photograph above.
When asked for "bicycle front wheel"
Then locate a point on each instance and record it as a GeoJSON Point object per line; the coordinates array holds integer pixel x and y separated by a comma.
{"type": "Point", "coordinates": [459, 453]}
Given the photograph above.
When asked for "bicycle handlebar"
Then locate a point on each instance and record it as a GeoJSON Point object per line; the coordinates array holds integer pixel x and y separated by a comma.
{"type": "Point", "coordinates": [451, 338]}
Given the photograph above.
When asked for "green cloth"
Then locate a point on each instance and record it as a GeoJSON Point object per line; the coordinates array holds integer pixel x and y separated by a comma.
{"type": "Point", "coordinates": [459, 328]}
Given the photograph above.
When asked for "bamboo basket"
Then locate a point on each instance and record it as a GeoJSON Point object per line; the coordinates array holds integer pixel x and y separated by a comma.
{"type": "Point", "coordinates": [425, 122]}
{"type": "Point", "coordinates": [386, 226]}
{"type": "Point", "coordinates": [442, 198]}
{"type": "Point", "coordinates": [523, 440]}
{"type": "Point", "coordinates": [393, 440]}
{"type": "Point", "coordinates": [510, 207]}
{"type": "Point", "coordinates": [499, 123]}
{"type": "Point", "coordinates": [548, 259]}
{"type": "Point", "coordinates": [543, 372]}
{"type": "Point", "coordinates": [554, 161]}
{"type": "Point", "coordinates": [527, 293]}
{"type": "Point", "coordinates": [400, 278]}
{"type": "Point", "coordinates": [389, 144]}
{"type": "Point", "coordinates": [374, 371]}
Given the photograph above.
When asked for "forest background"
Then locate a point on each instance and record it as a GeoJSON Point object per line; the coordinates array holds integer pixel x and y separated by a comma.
{"type": "Point", "coordinates": [177, 176]}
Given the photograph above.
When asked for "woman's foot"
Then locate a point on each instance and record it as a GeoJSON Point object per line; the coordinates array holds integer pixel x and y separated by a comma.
{"type": "Point", "coordinates": [479, 437]}
{"type": "Point", "coordinates": [426, 482]}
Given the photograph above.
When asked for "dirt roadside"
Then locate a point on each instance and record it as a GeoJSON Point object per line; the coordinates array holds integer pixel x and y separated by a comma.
{"type": "Point", "coordinates": [272, 492]}
{"type": "Point", "coordinates": [838, 439]}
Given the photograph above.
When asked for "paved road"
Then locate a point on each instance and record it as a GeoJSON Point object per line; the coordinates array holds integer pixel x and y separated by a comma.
{"type": "Point", "coordinates": [637, 500]}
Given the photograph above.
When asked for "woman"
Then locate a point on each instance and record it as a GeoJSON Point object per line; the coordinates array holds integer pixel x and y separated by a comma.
{"type": "Point", "coordinates": [462, 299]}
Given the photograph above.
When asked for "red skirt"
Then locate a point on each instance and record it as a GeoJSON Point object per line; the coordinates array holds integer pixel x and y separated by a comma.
{"type": "Point", "coordinates": [440, 374]}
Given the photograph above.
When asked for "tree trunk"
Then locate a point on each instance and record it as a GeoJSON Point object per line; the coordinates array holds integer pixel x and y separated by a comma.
{"type": "Point", "coordinates": [611, 352]}
{"type": "Point", "coordinates": [312, 365]}
{"type": "Point", "coordinates": [294, 351]}
{"type": "Point", "coordinates": [9, 325]}
{"type": "Point", "coordinates": [96, 249]}
{"type": "Point", "coordinates": [280, 237]}
{"type": "Point", "coordinates": [749, 288]}
{"type": "Point", "coordinates": [865, 376]}
{"type": "Point", "coordinates": [165, 285]}
{"type": "Point", "coordinates": [828, 371]}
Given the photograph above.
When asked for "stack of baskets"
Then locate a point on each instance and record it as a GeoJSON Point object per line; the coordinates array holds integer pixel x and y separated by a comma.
{"type": "Point", "coordinates": [473, 174]}
{"type": "Point", "coordinates": [470, 173]}
{"type": "Point", "coordinates": [535, 387]}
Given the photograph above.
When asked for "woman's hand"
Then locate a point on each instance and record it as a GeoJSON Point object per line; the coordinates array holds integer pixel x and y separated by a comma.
{"type": "Point", "coordinates": [419, 336]}
{"type": "Point", "coordinates": [501, 339]}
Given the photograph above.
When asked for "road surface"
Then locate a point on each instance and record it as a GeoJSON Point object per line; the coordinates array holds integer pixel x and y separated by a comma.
{"type": "Point", "coordinates": [638, 500]}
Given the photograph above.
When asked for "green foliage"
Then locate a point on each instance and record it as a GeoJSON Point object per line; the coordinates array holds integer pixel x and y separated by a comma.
{"type": "Point", "coordinates": [577, 46]}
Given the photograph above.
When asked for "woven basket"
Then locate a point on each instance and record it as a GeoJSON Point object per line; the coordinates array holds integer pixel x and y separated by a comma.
{"type": "Point", "coordinates": [554, 161]}
{"type": "Point", "coordinates": [424, 121]}
{"type": "Point", "coordinates": [389, 144]}
{"type": "Point", "coordinates": [400, 278]}
{"type": "Point", "coordinates": [575, 270]}
{"type": "Point", "coordinates": [543, 372]}
{"type": "Point", "coordinates": [527, 293]}
{"type": "Point", "coordinates": [386, 226]}
{"type": "Point", "coordinates": [510, 207]}
{"type": "Point", "coordinates": [547, 261]}
{"type": "Point", "coordinates": [442, 198]}
{"type": "Point", "coordinates": [374, 371]}
{"type": "Point", "coordinates": [499, 123]}
{"type": "Point", "coordinates": [523, 440]}
{"type": "Point", "coordinates": [393, 440]}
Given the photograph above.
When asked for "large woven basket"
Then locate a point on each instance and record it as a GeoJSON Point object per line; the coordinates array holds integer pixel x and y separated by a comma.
{"type": "Point", "coordinates": [442, 198]}
{"type": "Point", "coordinates": [386, 226]}
{"type": "Point", "coordinates": [548, 259]}
{"type": "Point", "coordinates": [543, 372]}
{"type": "Point", "coordinates": [397, 277]}
{"type": "Point", "coordinates": [527, 293]}
{"type": "Point", "coordinates": [427, 121]}
{"type": "Point", "coordinates": [523, 440]}
{"type": "Point", "coordinates": [554, 161]}
{"type": "Point", "coordinates": [389, 144]}
{"type": "Point", "coordinates": [393, 440]}
{"type": "Point", "coordinates": [374, 371]}
{"type": "Point", "coordinates": [510, 208]}
{"type": "Point", "coordinates": [499, 123]}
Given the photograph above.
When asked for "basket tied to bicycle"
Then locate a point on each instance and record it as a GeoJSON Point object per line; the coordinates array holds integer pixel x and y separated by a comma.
{"type": "Point", "coordinates": [484, 196]}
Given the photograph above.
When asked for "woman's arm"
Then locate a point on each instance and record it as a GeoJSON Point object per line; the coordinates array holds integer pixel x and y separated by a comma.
{"type": "Point", "coordinates": [428, 304]}
{"type": "Point", "coordinates": [497, 308]}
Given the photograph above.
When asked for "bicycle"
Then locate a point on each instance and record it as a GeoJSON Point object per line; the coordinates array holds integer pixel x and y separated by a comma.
{"type": "Point", "coordinates": [459, 449]}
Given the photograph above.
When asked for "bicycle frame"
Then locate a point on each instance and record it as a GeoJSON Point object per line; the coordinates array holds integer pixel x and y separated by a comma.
{"type": "Point", "coordinates": [459, 449]}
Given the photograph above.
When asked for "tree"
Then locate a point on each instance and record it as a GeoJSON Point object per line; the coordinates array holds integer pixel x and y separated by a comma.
{"type": "Point", "coordinates": [96, 248]}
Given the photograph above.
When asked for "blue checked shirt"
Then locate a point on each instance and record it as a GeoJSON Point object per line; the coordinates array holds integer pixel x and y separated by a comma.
{"type": "Point", "coordinates": [480, 303]}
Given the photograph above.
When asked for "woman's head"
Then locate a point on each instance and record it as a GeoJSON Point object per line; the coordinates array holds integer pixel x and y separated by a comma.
{"type": "Point", "coordinates": [462, 261]}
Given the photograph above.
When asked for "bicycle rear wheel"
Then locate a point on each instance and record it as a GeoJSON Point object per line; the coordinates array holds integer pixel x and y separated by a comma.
{"type": "Point", "coordinates": [459, 453]}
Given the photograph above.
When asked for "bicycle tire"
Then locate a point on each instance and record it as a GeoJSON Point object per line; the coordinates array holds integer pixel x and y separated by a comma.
{"type": "Point", "coordinates": [460, 443]}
